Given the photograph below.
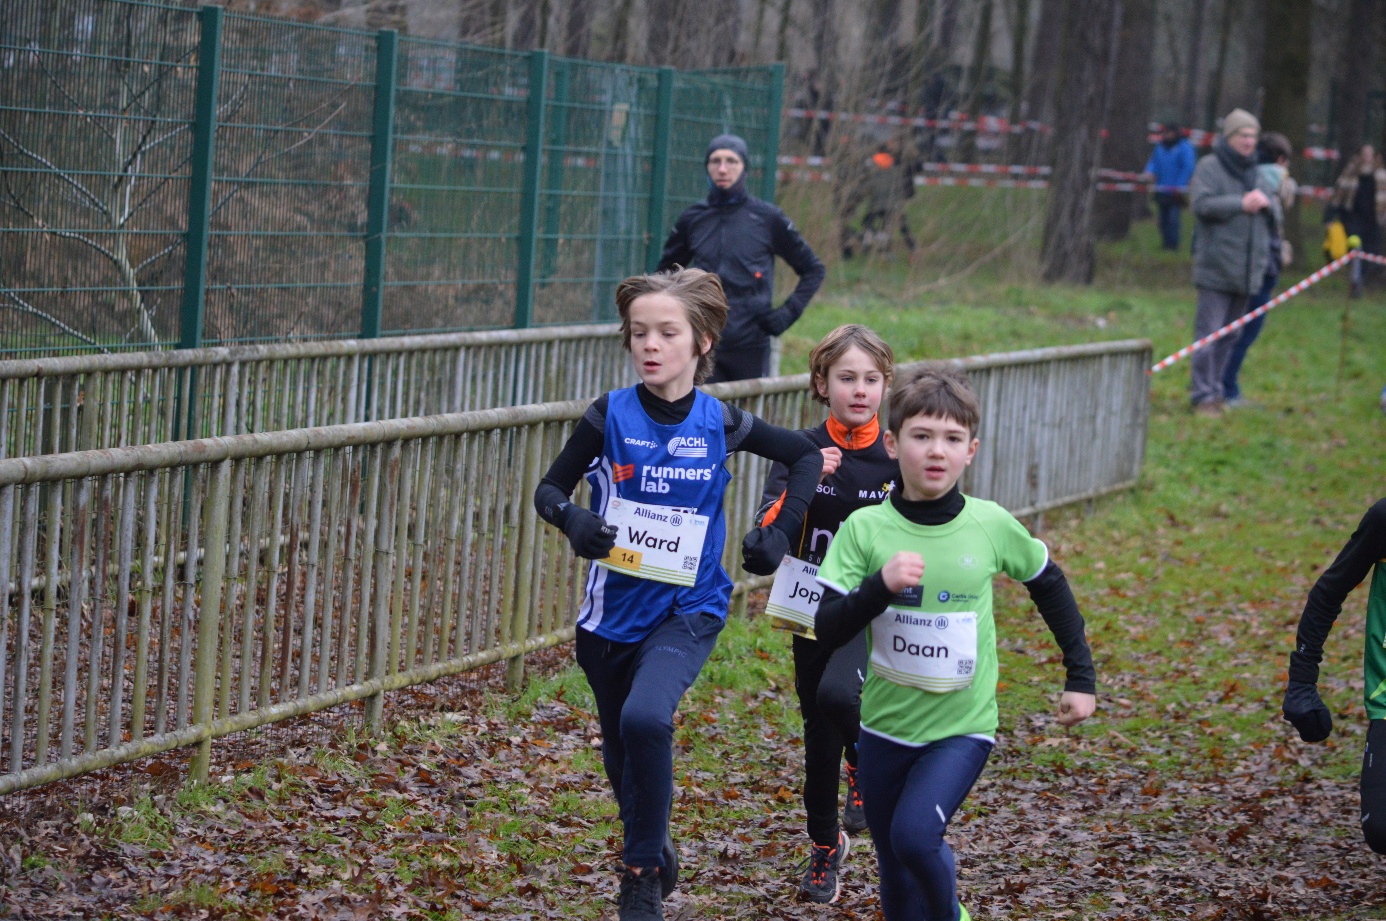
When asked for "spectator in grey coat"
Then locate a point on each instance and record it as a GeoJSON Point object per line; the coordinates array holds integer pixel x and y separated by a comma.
{"type": "Point", "coordinates": [1236, 219]}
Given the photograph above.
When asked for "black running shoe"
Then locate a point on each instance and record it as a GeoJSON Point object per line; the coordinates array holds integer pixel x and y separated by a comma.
{"type": "Point", "coordinates": [820, 882]}
{"type": "Point", "coordinates": [853, 816]}
{"type": "Point", "coordinates": [640, 896]}
{"type": "Point", "coordinates": [669, 876]}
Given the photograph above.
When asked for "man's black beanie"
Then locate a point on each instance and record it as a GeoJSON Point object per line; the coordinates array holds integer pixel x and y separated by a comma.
{"type": "Point", "coordinates": [728, 142]}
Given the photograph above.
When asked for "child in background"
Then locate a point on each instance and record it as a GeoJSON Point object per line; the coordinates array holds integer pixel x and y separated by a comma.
{"type": "Point", "coordinates": [849, 372]}
{"type": "Point", "coordinates": [653, 455]}
{"type": "Point", "coordinates": [1365, 552]}
{"type": "Point", "coordinates": [916, 573]}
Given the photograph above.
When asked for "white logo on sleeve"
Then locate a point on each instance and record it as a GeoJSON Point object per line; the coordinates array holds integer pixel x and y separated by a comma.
{"type": "Point", "coordinates": [688, 446]}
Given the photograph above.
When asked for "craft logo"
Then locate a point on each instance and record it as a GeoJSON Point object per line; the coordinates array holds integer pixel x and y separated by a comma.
{"type": "Point", "coordinates": [641, 443]}
{"type": "Point", "coordinates": [622, 472]}
{"type": "Point", "coordinates": [688, 446]}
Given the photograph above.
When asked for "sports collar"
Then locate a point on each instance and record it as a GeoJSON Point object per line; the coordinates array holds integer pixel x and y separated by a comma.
{"type": "Point", "coordinates": [854, 439]}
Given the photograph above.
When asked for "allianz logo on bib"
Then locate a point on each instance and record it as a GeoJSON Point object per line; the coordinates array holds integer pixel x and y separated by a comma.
{"type": "Point", "coordinates": [688, 446]}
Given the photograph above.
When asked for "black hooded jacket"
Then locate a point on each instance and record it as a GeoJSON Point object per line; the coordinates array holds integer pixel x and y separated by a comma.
{"type": "Point", "coordinates": [737, 236]}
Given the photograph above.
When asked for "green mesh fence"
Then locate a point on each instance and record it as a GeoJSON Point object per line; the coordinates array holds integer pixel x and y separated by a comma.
{"type": "Point", "coordinates": [186, 177]}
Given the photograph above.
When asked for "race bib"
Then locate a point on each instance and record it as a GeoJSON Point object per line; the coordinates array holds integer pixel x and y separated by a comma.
{"type": "Point", "coordinates": [932, 652]}
{"type": "Point", "coordinates": [655, 541]}
{"type": "Point", "coordinates": [795, 594]}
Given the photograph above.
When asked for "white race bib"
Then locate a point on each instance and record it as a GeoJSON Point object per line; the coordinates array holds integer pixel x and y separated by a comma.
{"type": "Point", "coordinates": [655, 541]}
{"type": "Point", "coordinates": [932, 652]}
{"type": "Point", "coordinates": [795, 594]}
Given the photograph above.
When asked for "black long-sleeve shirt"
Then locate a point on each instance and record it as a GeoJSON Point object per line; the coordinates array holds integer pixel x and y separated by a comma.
{"type": "Point", "coordinates": [841, 617]}
{"type": "Point", "coordinates": [744, 432]}
{"type": "Point", "coordinates": [1364, 549]}
{"type": "Point", "coordinates": [737, 237]}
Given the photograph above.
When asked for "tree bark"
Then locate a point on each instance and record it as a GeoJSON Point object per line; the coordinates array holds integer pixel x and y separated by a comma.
{"type": "Point", "coordinates": [660, 22]}
{"type": "Point", "coordinates": [577, 29]}
{"type": "Point", "coordinates": [1356, 68]}
{"type": "Point", "coordinates": [1210, 112]}
{"type": "Point", "coordinates": [1068, 253]}
{"type": "Point", "coordinates": [1020, 30]}
{"type": "Point", "coordinates": [1127, 146]}
{"type": "Point", "coordinates": [1195, 66]}
{"type": "Point", "coordinates": [1286, 105]}
{"type": "Point", "coordinates": [1044, 77]}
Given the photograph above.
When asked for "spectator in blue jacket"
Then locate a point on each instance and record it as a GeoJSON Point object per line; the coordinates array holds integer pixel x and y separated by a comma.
{"type": "Point", "coordinates": [1171, 166]}
{"type": "Point", "coordinates": [737, 236]}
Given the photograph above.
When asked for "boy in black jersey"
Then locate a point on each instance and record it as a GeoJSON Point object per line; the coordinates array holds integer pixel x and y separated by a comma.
{"type": "Point", "coordinates": [849, 372]}
{"type": "Point", "coordinates": [1364, 552]}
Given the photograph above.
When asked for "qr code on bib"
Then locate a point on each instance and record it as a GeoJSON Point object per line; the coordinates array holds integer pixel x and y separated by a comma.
{"type": "Point", "coordinates": [690, 564]}
{"type": "Point", "coordinates": [965, 666]}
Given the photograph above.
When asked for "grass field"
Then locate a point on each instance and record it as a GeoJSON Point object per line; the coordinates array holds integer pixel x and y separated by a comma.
{"type": "Point", "coordinates": [1185, 797]}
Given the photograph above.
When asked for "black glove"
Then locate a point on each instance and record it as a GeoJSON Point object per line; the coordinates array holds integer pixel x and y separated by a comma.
{"type": "Point", "coordinates": [763, 549]}
{"type": "Point", "coordinates": [592, 538]}
{"type": "Point", "coordinates": [777, 321]}
{"type": "Point", "coordinates": [1306, 711]}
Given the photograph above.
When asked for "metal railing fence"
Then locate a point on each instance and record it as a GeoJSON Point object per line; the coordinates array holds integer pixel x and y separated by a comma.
{"type": "Point", "coordinates": [185, 176]}
{"type": "Point", "coordinates": [160, 596]}
{"type": "Point", "coordinates": [82, 402]}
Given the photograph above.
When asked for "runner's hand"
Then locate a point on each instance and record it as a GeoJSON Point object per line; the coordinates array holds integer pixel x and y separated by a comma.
{"type": "Point", "coordinates": [832, 459]}
{"type": "Point", "coordinates": [763, 549]}
{"type": "Point", "coordinates": [1076, 706]}
{"type": "Point", "coordinates": [592, 538]}
{"type": "Point", "coordinates": [1306, 711]}
{"type": "Point", "coordinates": [902, 571]}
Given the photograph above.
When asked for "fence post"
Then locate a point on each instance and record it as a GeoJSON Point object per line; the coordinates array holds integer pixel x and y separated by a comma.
{"type": "Point", "coordinates": [659, 172]}
{"type": "Point", "coordinates": [215, 510]}
{"type": "Point", "coordinates": [204, 131]}
{"type": "Point", "coordinates": [529, 196]}
{"type": "Point", "coordinates": [553, 184]}
{"type": "Point", "coordinates": [378, 193]}
{"type": "Point", "coordinates": [772, 132]}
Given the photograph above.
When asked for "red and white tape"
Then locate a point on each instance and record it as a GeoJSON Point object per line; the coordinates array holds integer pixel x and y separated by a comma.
{"type": "Point", "coordinates": [1265, 308]}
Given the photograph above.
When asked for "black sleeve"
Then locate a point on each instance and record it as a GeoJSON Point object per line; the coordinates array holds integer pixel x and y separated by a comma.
{"type": "Point", "coordinates": [841, 617]}
{"type": "Point", "coordinates": [676, 247]}
{"type": "Point", "coordinates": [789, 246]}
{"type": "Point", "coordinates": [803, 460]}
{"type": "Point", "coordinates": [1052, 596]}
{"type": "Point", "coordinates": [1364, 549]}
{"type": "Point", "coordinates": [552, 496]}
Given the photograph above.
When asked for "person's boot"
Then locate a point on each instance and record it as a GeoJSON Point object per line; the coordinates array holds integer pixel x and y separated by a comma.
{"type": "Point", "coordinates": [821, 883]}
{"type": "Point", "coordinates": [853, 815]}
{"type": "Point", "coordinates": [640, 896]}
{"type": "Point", "coordinates": [669, 876]}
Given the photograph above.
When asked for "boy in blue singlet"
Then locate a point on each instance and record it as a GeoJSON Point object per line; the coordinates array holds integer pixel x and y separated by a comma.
{"type": "Point", "coordinates": [849, 371]}
{"type": "Point", "coordinates": [657, 598]}
{"type": "Point", "coordinates": [915, 572]}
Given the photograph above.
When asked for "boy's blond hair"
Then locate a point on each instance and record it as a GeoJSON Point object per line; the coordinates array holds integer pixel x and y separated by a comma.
{"type": "Point", "coordinates": [935, 389]}
{"type": "Point", "coordinates": [836, 343]}
{"type": "Point", "coordinates": [703, 300]}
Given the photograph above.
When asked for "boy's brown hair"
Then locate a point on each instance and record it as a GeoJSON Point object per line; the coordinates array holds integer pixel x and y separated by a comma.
{"type": "Point", "coordinates": [836, 343]}
{"type": "Point", "coordinates": [704, 303]}
{"type": "Point", "coordinates": [935, 389]}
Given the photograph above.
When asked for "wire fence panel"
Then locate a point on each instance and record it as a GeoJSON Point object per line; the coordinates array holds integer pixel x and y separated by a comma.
{"type": "Point", "coordinates": [76, 403]}
{"type": "Point", "coordinates": [159, 596]}
{"type": "Point", "coordinates": [177, 176]}
{"type": "Point", "coordinates": [95, 141]}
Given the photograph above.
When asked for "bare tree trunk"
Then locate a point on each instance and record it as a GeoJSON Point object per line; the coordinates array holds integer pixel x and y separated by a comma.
{"type": "Point", "coordinates": [1044, 76]}
{"type": "Point", "coordinates": [1068, 252]}
{"type": "Point", "coordinates": [1195, 67]}
{"type": "Point", "coordinates": [1356, 68]}
{"type": "Point", "coordinates": [1020, 30]}
{"type": "Point", "coordinates": [1286, 106]}
{"type": "Point", "coordinates": [577, 28]}
{"type": "Point", "coordinates": [619, 50]}
{"type": "Point", "coordinates": [1126, 146]}
{"type": "Point", "coordinates": [782, 37]}
{"type": "Point", "coordinates": [1210, 112]}
{"type": "Point", "coordinates": [659, 30]}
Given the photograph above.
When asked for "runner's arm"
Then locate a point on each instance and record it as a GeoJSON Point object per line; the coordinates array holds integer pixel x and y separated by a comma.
{"type": "Point", "coordinates": [1054, 599]}
{"type": "Point", "coordinates": [841, 617]}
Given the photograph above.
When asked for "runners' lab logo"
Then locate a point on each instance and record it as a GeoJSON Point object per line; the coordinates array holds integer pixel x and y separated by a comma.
{"type": "Point", "coordinates": [688, 446]}
{"type": "Point", "coordinates": [622, 472]}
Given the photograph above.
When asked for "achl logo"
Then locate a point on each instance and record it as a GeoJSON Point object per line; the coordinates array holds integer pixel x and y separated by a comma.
{"type": "Point", "coordinates": [688, 446]}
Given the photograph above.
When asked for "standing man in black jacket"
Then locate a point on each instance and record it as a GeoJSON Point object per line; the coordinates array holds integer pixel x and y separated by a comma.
{"type": "Point", "coordinates": [737, 236]}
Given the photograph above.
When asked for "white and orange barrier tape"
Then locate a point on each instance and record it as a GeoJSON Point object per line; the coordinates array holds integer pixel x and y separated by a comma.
{"type": "Point", "coordinates": [1265, 308]}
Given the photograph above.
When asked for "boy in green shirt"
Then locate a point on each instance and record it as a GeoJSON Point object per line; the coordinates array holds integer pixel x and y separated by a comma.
{"type": "Point", "coordinates": [915, 572]}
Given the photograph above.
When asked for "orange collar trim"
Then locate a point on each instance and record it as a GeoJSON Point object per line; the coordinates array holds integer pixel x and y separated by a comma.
{"type": "Point", "coordinates": [854, 439]}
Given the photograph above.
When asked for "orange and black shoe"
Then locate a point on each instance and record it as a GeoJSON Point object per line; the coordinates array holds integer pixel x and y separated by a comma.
{"type": "Point", "coordinates": [853, 816]}
{"type": "Point", "coordinates": [821, 883]}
